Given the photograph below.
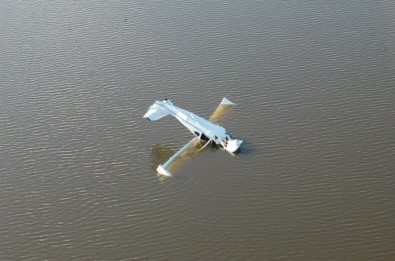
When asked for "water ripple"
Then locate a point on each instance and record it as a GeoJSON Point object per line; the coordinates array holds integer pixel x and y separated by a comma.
{"type": "Point", "coordinates": [313, 83]}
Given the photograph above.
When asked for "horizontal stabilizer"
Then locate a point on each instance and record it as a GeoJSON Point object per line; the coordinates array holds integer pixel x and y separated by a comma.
{"type": "Point", "coordinates": [156, 112]}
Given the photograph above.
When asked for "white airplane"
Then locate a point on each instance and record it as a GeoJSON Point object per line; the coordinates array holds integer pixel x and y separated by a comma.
{"type": "Point", "coordinates": [201, 128]}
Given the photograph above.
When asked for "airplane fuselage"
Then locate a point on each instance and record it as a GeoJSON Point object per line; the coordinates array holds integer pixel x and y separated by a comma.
{"type": "Point", "coordinates": [201, 128]}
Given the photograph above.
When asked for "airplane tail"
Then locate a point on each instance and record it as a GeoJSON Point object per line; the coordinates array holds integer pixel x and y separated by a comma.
{"type": "Point", "coordinates": [157, 111]}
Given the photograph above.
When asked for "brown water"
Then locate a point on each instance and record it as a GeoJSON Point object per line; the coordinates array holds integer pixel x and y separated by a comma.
{"type": "Point", "coordinates": [315, 86]}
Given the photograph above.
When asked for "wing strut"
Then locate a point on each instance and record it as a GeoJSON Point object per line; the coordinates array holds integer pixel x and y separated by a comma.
{"type": "Point", "coordinates": [205, 145]}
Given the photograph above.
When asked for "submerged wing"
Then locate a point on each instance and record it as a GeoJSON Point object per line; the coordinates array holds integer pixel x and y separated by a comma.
{"type": "Point", "coordinates": [192, 148]}
{"type": "Point", "coordinates": [221, 111]}
{"type": "Point", "coordinates": [169, 166]}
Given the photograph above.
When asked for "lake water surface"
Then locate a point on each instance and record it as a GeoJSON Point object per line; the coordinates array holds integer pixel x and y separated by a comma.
{"type": "Point", "coordinates": [314, 83]}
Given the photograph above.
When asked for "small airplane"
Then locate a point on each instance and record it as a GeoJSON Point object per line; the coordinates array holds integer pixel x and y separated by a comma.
{"type": "Point", "coordinates": [206, 130]}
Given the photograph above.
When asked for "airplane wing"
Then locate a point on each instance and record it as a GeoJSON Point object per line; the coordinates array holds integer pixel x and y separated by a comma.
{"type": "Point", "coordinates": [192, 148]}
{"type": "Point", "coordinates": [170, 165]}
{"type": "Point", "coordinates": [221, 111]}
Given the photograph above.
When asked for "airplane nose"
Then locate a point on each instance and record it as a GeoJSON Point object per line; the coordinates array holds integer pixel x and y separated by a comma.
{"type": "Point", "coordinates": [233, 145]}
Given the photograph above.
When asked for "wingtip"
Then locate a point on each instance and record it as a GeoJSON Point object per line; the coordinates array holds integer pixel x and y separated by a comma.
{"type": "Point", "coordinates": [162, 171]}
{"type": "Point", "coordinates": [226, 101]}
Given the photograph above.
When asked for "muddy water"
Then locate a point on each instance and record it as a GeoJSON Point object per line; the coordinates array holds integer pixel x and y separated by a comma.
{"type": "Point", "coordinates": [314, 85]}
